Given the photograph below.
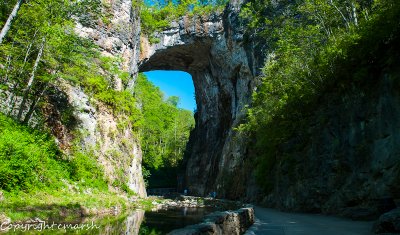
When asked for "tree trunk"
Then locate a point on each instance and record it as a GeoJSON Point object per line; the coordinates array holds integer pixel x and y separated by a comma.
{"type": "Point", "coordinates": [355, 17]}
{"type": "Point", "coordinates": [13, 99]}
{"type": "Point", "coordinates": [31, 80]}
{"type": "Point", "coordinates": [341, 13]}
{"type": "Point", "coordinates": [8, 65]}
{"type": "Point", "coordinates": [28, 51]}
{"type": "Point", "coordinates": [33, 105]}
{"type": "Point", "coordinates": [7, 25]}
{"type": "Point", "coordinates": [7, 69]}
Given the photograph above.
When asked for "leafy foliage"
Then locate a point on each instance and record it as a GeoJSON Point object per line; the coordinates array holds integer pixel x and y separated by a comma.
{"type": "Point", "coordinates": [48, 25]}
{"type": "Point", "coordinates": [31, 160]}
{"type": "Point", "coordinates": [84, 169]}
{"type": "Point", "coordinates": [40, 49]}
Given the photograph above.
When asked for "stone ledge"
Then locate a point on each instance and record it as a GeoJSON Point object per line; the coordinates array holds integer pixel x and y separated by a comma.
{"type": "Point", "coordinates": [221, 223]}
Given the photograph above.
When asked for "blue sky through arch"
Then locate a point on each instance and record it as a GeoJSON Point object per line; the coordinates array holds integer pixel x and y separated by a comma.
{"type": "Point", "coordinates": [175, 83]}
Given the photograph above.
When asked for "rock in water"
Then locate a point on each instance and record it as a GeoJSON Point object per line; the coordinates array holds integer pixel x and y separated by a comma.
{"type": "Point", "coordinates": [388, 222]}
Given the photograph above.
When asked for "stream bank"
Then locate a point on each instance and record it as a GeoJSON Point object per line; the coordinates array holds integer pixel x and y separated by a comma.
{"type": "Point", "coordinates": [112, 211]}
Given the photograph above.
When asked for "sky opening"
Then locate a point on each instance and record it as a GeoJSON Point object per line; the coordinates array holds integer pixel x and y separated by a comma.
{"type": "Point", "coordinates": [175, 83]}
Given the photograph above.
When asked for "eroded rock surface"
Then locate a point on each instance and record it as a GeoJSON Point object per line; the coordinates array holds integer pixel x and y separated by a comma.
{"type": "Point", "coordinates": [223, 67]}
{"type": "Point", "coordinates": [347, 160]}
{"type": "Point", "coordinates": [118, 150]}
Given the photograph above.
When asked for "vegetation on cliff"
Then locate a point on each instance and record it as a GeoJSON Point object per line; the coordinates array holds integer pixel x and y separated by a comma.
{"type": "Point", "coordinates": [316, 46]}
{"type": "Point", "coordinates": [35, 173]}
{"type": "Point", "coordinates": [29, 159]}
{"type": "Point", "coordinates": [40, 51]}
{"type": "Point", "coordinates": [158, 15]}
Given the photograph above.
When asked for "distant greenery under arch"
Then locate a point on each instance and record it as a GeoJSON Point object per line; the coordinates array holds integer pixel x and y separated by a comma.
{"type": "Point", "coordinates": [164, 133]}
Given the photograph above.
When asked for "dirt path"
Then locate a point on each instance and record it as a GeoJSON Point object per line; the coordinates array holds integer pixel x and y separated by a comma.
{"type": "Point", "coordinates": [274, 222]}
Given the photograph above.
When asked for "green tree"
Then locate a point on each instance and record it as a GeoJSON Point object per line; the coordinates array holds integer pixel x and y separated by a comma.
{"type": "Point", "coordinates": [41, 47]}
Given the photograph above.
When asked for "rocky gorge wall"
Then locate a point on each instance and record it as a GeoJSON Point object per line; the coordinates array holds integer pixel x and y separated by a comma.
{"type": "Point", "coordinates": [223, 68]}
{"type": "Point", "coordinates": [99, 132]}
{"type": "Point", "coordinates": [347, 160]}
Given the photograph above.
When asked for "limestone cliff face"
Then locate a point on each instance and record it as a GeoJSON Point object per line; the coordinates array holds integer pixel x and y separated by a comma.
{"type": "Point", "coordinates": [92, 127]}
{"type": "Point", "coordinates": [100, 133]}
{"type": "Point", "coordinates": [223, 67]}
{"type": "Point", "coordinates": [115, 145]}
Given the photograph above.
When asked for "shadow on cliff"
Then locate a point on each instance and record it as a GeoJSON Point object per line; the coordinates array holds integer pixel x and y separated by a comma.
{"type": "Point", "coordinates": [336, 151]}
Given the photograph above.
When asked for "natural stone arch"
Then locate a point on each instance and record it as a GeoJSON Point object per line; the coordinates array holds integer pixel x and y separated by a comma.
{"type": "Point", "coordinates": [212, 50]}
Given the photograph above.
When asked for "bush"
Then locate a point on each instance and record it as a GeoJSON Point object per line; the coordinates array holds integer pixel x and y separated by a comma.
{"type": "Point", "coordinates": [85, 169]}
{"type": "Point", "coordinates": [29, 159]}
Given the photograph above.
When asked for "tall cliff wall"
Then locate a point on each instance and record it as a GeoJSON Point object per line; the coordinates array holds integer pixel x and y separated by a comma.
{"type": "Point", "coordinates": [116, 146]}
{"type": "Point", "coordinates": [223, 67]}
{"type": "Point", "coordinates": [347, 159]}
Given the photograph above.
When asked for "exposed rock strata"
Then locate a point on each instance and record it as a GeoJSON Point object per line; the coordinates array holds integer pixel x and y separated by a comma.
{"type": "Point", "coordinates": [349, 156]}
{"type": "Point", "coordinates": [116, 148]}
{"type": "Point", "coordinates": [91, 123]}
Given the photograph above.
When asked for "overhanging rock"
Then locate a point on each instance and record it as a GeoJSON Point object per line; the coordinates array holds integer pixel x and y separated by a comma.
{"type": "Point", "coordinates": [223, 67]}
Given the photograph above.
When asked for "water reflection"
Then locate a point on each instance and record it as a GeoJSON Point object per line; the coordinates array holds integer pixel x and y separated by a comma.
{"type": "Point", "coordinates": [134, 221]}
{"type": "Point", "coordinates": [126, 225]}
{"type": "Point", "coordinates": [138, 222]}
{"type": "Point", "coordinates": [164, 221]}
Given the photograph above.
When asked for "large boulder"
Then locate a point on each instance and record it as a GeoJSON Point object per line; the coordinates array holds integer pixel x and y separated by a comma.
{"type": "Point", "coordinates": [388, 222]}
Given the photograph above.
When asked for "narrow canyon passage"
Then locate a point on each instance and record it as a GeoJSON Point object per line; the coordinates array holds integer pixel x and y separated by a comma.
{"type": "Point", "coordinates": [292, 105]}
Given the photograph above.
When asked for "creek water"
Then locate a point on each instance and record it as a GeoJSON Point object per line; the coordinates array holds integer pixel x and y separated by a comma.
{"type": "Point", "coordinates": [134, 223]}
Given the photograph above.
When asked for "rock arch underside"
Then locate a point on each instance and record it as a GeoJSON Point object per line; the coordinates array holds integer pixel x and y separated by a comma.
{"type": "Point", "coordinates": [223, 68]}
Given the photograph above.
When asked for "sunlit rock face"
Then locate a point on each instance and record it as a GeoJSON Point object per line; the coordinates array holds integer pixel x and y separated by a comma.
{"type": "Point", "coordinates": [117, 149]}
{"type": "Point", "coordinates": [223, 68]}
